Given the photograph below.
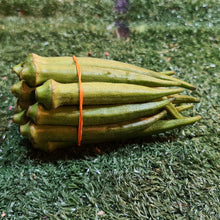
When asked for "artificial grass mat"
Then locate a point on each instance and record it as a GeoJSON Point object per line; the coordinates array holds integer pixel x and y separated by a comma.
{"type": "Point", "coordinates": [168, 176]}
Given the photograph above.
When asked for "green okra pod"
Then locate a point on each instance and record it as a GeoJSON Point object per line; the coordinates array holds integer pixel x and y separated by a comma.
{"type": "Point", "coordinates": [53, 94]}
{"type": "Point", "coordinates": [91, 134]}
{"type": "Point", "coordinates": [34, 60]}
{"type": "Point", "coordinates": [36, 74]}
{"type": "Point", "coordinates": [52, 145]}
{"type": "Point", "coordinates": [94, 115]}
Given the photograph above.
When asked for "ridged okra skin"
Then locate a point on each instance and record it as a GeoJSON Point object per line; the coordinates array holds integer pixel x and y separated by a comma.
{"type": "Point", "coordinates": [91, 134]}
{"type": "Point", "coordinates": [53, 94]}
{"type": "Point", "coordinates": [118, 101]}
{"type": "Point", "coordinates": [132, 68]}
{"type": "Point", "coordinates": [35, 61]}
{"type": "Point", "coordinates": [93, 115]}
{"type": "Point", "coordinates": [36, 74]}
{"type": "Point", "coordinates": [49, 146]}
{"type": "Point", "coordinates": [155, 128]}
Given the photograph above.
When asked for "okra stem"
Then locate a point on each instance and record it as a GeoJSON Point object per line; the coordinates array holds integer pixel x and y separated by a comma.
{"type": "Point", "coordinates": [22, 91]}
{"type": "Point", "coordinates": [18, 68]}
{"type": "Point", "coordinates": [20, 118]}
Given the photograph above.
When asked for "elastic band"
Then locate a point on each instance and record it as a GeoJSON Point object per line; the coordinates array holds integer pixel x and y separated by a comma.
{"type": "Point", "coordinates": [78, 69]}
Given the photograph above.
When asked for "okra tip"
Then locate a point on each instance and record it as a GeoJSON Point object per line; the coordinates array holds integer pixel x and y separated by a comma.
{"type": "Point", "coordinates": [169, 73]}
{"type": "Point", "coordinates": [188, 86]}
{"type": "Point", "coordinates": [196, 118]}
{"type": "Point", "coordinates": [173, 91]}
{"type": "Point", "coordinates": [184, 107]}
{"type": "Point", "coordinates": [186, 121]}
{"type": "Point", "coordinates": [197, 100]}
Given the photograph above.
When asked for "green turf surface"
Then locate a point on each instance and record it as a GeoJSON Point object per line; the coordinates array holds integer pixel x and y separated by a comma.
{"type": "Point", "coordinates": [169, 176]}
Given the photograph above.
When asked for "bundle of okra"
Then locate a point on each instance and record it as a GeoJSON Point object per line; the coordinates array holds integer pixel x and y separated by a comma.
{"type": "Point", "coordinates": [120, 101]}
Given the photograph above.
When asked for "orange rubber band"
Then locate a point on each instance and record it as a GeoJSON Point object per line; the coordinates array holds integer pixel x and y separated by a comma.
{"type": "Point", "coordinates": [80, 127]}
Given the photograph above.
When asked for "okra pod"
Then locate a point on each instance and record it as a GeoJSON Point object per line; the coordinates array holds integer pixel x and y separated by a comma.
{"type": "Point", "coordinates": [94, 115]}
{"type": "Point", "coordinates": [91, 134]}
{"type": "Point", "coordinates": [36, 74]}
{"type": "Point", "coordinates": [61, 61]}
{"type": "Point", "coordinates": [53, 94]}
{"type": "Point", "coordinates": [103, 63]}
{"type": "Point", "coordinates": [52, 145]}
